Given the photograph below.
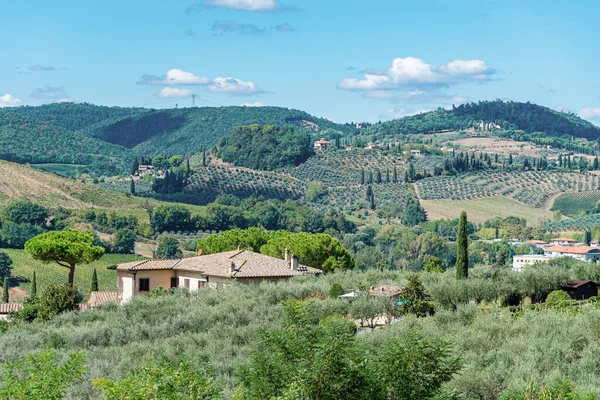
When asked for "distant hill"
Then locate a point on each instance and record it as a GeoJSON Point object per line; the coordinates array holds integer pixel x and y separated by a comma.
{"type": "Point", "coordinates": [26, 139]}
{"type": "Point", "coordinates": [170, 131]}
{"type": "Point", "coordinates": [508, 115]}
{"type": "Point", "coordinates": [21, 181]}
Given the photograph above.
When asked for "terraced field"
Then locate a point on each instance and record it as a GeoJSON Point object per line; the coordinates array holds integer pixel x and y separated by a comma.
{"type": "Point", "coordinates": [343, 168]}
{"type": "Point", "coordinates": [349, 198]}
{"type": "Point", "coordinates": [124, 186]}
{"type": "Point", "coordinates": [213, 180]}
{"type": "Point", "coordinates": [532, 188]}
{"type": "Point", "coordinates": [573, 224]}
{"type": "Point", "coordinates": [576, 204]}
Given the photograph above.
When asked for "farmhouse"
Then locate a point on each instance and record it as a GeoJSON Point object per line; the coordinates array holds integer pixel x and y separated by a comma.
{"type": "Point", "coordinates": [520, 262]}
{"type": "Point", "coordinates": [582, 253]}
{"type": "Point", "coordinates": [387, 291]}
{"type": "Point", "coordinates": [581, 290]}
{"type": "Point", "coordinates": [415, 153]}
{"type": "Point", "coordinates": [7, 308]}
{"type": "Point", "coordinates": [537, 243]}
{"type": "Point", "coordinates": [144, 170]}
{"type": "Point", "coordinates": [563, 242]}
{"type": "Point", "coordinates": [322, 144]}
{"type": "Point", "coordinates": [373, 146]}
{"type": "Point", "coordinates": [210, 271]}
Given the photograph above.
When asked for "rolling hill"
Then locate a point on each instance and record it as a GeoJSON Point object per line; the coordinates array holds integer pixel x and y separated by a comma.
{"type": "Point", "coordinates": [26, 139]}
{"type": "Point", "coordinates": [168, 131]}
{"type": "Point", "coordinates": [508, 115]}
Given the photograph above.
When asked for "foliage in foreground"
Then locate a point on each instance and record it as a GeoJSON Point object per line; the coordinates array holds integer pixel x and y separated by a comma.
{"type": "Point", "coordinates": [312, 359]}
{"type": "Point", "coordinates": [165, 382]}
{"type": "Point", "coordinates": [41, 376]}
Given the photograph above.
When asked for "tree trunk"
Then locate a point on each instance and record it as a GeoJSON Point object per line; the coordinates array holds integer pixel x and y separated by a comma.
{"type": "Point", "coordinates": [71, 275]}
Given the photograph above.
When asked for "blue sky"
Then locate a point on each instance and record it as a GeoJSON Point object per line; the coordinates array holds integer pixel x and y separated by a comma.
{"type": "Point", "coordinates": [346, 60]}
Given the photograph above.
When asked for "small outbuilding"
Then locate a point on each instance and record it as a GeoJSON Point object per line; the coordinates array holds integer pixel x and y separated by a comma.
{"type": "Point", "coordinates": [581, 290]}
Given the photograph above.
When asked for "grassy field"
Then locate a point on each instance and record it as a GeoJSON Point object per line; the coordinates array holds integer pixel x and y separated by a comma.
{"type": "Point", "coordinates": [58, 169]}
{"type": "Point", "coordinates": [480, 210]}
{"type": "Point", "coordinates": [47, 274]}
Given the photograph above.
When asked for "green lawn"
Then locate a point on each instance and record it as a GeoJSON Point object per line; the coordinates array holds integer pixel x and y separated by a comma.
{"type": "Point", "coordinates": [46, 274]}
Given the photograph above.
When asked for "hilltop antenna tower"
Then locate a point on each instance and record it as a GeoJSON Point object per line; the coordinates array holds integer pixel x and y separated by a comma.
{"type": "Point", "coordinates": [193, 100]}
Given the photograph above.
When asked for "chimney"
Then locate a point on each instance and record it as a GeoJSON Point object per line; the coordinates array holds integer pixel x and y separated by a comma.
{"type": "Point", "coordinates": [294, 263]}
{"type": "Point", "coordinates": [287, 256]}
{"type": "Point", "coordinates": [232, 268]}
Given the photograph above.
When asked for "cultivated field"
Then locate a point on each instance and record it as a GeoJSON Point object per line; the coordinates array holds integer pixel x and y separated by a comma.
{"type": "Point", "coordinates": [479, 210]}
{"type": "Point", "coordinates": [532, 188]}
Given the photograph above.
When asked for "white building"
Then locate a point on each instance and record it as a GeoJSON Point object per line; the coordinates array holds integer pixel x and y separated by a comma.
{"type": "Point", "coordinates": [520, 262]}
{"type": "Point", "coordinates": [563, 242]}
{"type": "Point", "coordinates": [582, 253]}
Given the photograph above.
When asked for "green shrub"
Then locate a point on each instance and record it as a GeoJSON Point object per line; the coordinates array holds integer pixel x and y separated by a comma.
{"type": "Point", "coordinates": [558, 296]}
{"type": "Point", "coordinates": [336, 290]}
{"type": "Point", "coordinates": [57, 299]}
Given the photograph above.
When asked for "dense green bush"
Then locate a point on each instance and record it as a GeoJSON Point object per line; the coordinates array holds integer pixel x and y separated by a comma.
{"type": "Point", "coordinates": [57, 299]}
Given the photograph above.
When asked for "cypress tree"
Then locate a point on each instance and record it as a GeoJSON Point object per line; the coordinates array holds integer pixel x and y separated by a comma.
{"type": "Point", "coordinates": [33, 294]}
{"type": "Point", "coordinates": [94, 287]}
{"type": "Point", "coordinates": [378, 176]}
{"type": "Point", "coordinates": [132, 187]}
{"type": "Point", "coordinates": [462, 251]}
{"type": "Point", "coordinates": [595, 164]}
{"type": "Point", "coordinates": [372, 200]}
{"type": "Point", "coordinates": [362, 176]}
{"type": "Point", "coordinates": [203, 156]}
{"type": "Point", "coordinates": [587, 239]}
{"type": "Point", "coordinates": [395, 177]}
{"type": "Point", "coordinates": [5, 290]}
{"type": "Point", "coordinates": [370, 181]}
{"type": "Point", "coordinates": [387, 175]}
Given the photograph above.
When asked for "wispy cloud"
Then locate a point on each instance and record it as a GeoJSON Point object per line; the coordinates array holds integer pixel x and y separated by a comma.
{"type": "Point", "coordinates": [222, 27]}
{"type": "Point", "coordinates": [244, 5]}
{"type": "Point", "coordinates": [9, 100]}
{"type": "Point", "coordinates": [233, 86]}
{"type": "Point", "coordinates": [42, 68]}
{"type": "Point", "coordinates": [255, 104]}
{"type": "Point", "coordinates": [285, 27]}
{"type": "Point", "coordinates": [51, 93]}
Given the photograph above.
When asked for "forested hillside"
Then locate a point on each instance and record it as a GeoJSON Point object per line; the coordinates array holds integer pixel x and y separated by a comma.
{"type": "Point", "coordinates": [28, 140]}
{"type": "Point", "coordinates": [171, 131]}
{"type": "Point", "coordinates": [508, 115]}
{"type": "Point", "coordinates": [265, 147]}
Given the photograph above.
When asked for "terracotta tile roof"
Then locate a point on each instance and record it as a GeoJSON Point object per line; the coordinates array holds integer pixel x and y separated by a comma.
{"type": "Point", "coordinates": [148, 265]}
{"type": "Point", "coordinates": [571, 249]}
{"type": "Point", "coordinates": [5, 308]}
{"type": "Point", "coordinates": [98, 298]}
{"type": "Point", "coordinates": [386, 290]}
{"type": "Point", "coordinates": [246, 264]}
{"type": "Point", "coordinates": [536, 242]}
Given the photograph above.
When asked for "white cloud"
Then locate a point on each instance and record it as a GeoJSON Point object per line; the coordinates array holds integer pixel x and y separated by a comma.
{"type": "Point", "coordinates": [400, 112]}
{"type": "Point", "coordinates": [590, 113]}
{"type": "Point", "coordinates": [9, 100]}
{"type": "Point", "coordinates": [174, 77]}
{"type": "Point", "coordinates": [255, 104]}
{"type": "Point", "coordinates": [174, 93]}
{"type": "Point", "coordinates": [232, 86]}
{"type": "Point", "coordinates": [246, 5]}
{"type": "Point", "coordinates": [415, 72]}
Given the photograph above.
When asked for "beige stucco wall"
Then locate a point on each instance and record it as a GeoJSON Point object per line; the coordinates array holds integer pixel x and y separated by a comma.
{"type": "Point", "coordinates": [124, 286]}
{"type": "Point", "coordinates": [196, 280]}
{"type": "Point", "coordinates": [157, 278]}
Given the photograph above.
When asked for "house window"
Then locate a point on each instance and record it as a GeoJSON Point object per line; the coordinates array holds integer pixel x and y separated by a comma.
{"type": "Point", "coordinates": [187, 283]}
{"type": "Point", "coordinates": [200, 284]}
{"type": "Point", "coordinates": [144, 285]}
{"type": "Point", "coordinates": [174, 282]}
